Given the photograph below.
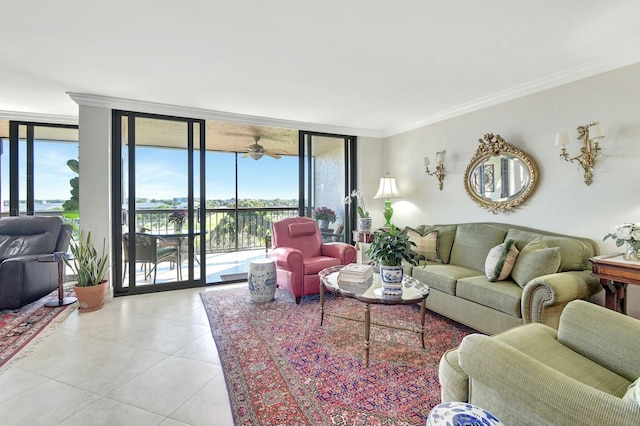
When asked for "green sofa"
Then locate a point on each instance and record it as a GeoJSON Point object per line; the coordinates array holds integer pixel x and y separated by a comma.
{"type": "Point", "coordinates": [579, 374]}
{"type": "Point", "coordinates": [460, 289]}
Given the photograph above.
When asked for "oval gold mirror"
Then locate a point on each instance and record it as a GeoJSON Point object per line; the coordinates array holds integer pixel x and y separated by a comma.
{"type": "Point", "coordinates": [499, 176]}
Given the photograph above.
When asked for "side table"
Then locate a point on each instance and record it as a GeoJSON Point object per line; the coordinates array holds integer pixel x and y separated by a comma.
{"type": "Point", "coordinates": [615, 274]}
{"type": "Point", "coordinates": [62, 300]}
{"type": "Point", "coordinates": [362, 240]}
{"type": "Point", "coordinates": [262, 280]}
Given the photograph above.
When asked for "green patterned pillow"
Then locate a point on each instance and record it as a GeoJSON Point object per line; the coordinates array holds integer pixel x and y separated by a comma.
{"type": "Point", "coordinates": [500, 261]}
{"type": "Point", "coordinates": [535, 260]}
{"type": "Point", "coordinates": [426, 245]}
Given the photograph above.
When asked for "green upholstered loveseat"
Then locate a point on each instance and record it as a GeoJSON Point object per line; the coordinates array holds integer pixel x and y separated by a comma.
{"type": "Point", "coordinates": [460, 289]}
{"type": "Point", "coordinates": [536, 375]}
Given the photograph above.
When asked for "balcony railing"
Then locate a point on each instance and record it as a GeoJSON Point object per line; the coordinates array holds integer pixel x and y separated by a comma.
{"type": "Point", "coordinates": [226, 229]}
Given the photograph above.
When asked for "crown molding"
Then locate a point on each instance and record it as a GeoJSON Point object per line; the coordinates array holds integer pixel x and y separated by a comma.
{"type": "Point", "coordinates": [570, 75]}
{"type": "Point", "coordinates": [84, 99]}
{"type": "Point", "coordinates": [38, 118]}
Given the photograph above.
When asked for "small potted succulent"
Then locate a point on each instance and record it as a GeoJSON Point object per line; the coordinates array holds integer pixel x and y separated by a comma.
{"type": "Point", "coordinates": [90, 268]}
{"type": "Point", "coordinates": [389, 249]}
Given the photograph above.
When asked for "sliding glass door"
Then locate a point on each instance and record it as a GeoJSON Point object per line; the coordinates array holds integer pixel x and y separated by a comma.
{"type": "Point", "coordinates": [158, 188]}
{"type": "Point", "coordinates": [327, 177]}
{"type": "Point", "coordinates": [39, 164]}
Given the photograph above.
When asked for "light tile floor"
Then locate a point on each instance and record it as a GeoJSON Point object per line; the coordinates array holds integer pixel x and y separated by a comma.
{"type": "Point", "coordinates": [141, 360]}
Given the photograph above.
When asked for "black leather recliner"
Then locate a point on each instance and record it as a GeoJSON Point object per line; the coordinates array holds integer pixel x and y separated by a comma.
{"type": "Point", "coordinates": [23, 240]}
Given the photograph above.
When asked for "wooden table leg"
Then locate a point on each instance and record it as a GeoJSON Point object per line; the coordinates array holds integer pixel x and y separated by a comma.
{"type": "Point", "coordinates": [367, 325]}
{"type": "Point", "coordinates": [615, 295]}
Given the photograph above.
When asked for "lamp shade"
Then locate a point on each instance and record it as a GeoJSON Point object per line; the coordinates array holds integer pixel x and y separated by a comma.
{"type": "Point", "coordinates": [596, 132]}
{"type": "Point", "coordinates": [256, 155]}
{"type": "Point", "coordinates": [562, 138]}
{"type": "Point", "coordinates": [387, 188]}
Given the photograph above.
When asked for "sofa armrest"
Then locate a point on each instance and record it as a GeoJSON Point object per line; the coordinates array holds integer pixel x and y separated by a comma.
{"type": "Point", "coordinates": [287, 258]}
{"type": "Point", "coordinates": [23, 279]}
{"type": "Point", "coordinates": [544, 297]}
{"type": "Point", "coordinates": [343, 251]}
{"type": "Point", "coordinates": [522, 391]}
{"type": "Point", "coordinates": [610, 339]}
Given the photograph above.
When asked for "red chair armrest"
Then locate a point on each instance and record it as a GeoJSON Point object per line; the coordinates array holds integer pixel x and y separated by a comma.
{"type": "Point", "coordinates": [287, 258]}
{"type": "Point", "coordinates": [343, 251]}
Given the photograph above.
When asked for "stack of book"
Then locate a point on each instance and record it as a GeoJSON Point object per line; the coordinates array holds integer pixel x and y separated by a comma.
{"type": "Point", "coordinates": [356, 273]}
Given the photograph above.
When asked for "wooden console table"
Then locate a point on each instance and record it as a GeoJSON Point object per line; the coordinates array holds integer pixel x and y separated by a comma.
{"type": "Point", "coordinates": [615, 274]}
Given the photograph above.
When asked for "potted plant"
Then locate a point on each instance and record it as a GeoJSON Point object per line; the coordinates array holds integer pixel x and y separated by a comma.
{"type": "Point", "coordinates": [178, 218]}
{"type": "Point", "coordinates": [364, 220]}
{"type": "Point", "coordinates": [388, 250]}
{"type": "Point", "coordinates": [324, 216]}
{"type": "Point", "coordinates": [90, 268]}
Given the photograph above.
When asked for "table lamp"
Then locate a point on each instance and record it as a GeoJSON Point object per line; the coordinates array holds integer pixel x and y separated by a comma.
{"type": "Point", "coordinates": [387, 190]}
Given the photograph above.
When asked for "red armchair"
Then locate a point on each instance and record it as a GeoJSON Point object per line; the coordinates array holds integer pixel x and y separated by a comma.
{"type": "Point", "coordinates": [299, 255]}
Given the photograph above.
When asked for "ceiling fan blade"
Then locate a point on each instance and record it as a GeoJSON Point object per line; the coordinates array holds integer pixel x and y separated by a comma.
{"type": "Point", "coordinates": [245, 155]}
{"type": "Point", "coordinates": [276, 156]}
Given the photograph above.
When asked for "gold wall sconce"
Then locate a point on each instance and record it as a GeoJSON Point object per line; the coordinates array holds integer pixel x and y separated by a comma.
{"type": "Point", "coordinates": [439, 173]}
{"type": "Point", "coordinates": [589, 134]}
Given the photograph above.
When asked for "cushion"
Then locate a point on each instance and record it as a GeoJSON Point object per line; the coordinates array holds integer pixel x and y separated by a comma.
{"type": "Point", "coordinates": [302, 229]}
{"type": "Point", "coordinates": [500, 261]}
{"type": "Point", "coordinates": [426, 244]}
{"type": "Point", "coordinates": [446, 235]}
{"type": "Point", "coordinates": [574, 254]}
{"type": "Point", "coordinates": [633, 392]}
{"type": "Point", "coordinates": [535, 260]}
{"type": "Point", "coordinates": [473, 242]}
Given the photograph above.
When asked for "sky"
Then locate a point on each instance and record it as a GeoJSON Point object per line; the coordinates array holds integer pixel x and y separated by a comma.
{"type": "Point", "coordinates": [161, 174]}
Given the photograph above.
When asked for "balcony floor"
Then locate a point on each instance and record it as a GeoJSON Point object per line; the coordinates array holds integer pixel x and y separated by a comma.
{"type": "Point", "coordinates": [219, 267]}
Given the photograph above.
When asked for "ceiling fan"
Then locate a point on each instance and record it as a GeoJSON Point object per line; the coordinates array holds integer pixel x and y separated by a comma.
{"type": "Point", "coordinates": [256, 151]}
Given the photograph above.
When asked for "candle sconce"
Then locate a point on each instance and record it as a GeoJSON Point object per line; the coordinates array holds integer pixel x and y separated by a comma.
{"type": "Point", "coordinates": [590, 150]}
{"type": "Point", "coordinates": [439, 173]}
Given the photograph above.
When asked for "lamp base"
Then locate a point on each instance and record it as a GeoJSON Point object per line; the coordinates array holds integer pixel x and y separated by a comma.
{"type": "Point", "coordinates": [388, 212]}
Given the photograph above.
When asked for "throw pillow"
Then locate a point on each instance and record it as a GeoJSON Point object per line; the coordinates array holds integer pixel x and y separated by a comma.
{"type": "Point", "coordinates": [500, 260]}
{"type": "Point", "coordinates": [633, 392]}
{"type": "Point", "coordinates": [426, 245]}
{"type": "Point", "coordinates": [535, 260]}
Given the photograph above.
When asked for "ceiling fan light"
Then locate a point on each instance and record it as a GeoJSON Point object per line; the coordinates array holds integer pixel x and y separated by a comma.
{"type": "Point", "coordinates": [256, 155]}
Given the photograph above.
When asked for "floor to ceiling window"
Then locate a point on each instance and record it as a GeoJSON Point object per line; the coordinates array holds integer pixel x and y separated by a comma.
{"type": "Point", "coordinates": [328, 166]}
{"type": "Point", "coordinates": [158, 187]}
{"type": "Point", "coordinates": [39, 170]}
{"type": "Point", "coordinates": [203, 195]}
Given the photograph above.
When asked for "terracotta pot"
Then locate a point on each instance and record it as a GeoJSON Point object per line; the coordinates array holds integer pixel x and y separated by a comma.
{"type": "Point", "coordinates": [91, 298]}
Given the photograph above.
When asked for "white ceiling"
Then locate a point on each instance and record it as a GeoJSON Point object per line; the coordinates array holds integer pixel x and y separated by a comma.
{"type": "Point", "coordinates": [370, 66]}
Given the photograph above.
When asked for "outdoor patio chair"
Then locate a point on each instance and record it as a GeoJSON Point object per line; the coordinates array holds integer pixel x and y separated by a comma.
{"type": "Point", "coordinates": [152, 250]}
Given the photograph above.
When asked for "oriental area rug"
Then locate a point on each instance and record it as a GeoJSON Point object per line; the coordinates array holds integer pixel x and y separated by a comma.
{"type": "Point", "coordinates": [19, 327]}
{"type": "Point", "coordinates": [281, 367]}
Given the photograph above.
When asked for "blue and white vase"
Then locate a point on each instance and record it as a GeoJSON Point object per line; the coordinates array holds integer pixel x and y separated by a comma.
{"type": "Point", "coordinates": [262, 280]}
{"type": "Point", "coordinates": [364, 224]}
{"type": "Point", "coordinates": [391, 277]}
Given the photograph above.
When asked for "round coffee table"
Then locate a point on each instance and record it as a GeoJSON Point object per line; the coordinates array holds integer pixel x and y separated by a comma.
{"type": "Point", "coordinates": [413, 291]}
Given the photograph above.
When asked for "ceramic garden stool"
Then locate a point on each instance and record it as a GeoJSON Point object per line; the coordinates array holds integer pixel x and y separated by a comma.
{"type": "Point", "coordinates": [461, 414]}
{"type": "Point", "coordinates": [262, 280]}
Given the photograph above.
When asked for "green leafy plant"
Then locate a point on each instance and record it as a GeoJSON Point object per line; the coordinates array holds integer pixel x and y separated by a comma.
{"type": "Point", "coordinates": [178, 217]}
{"type": "Point", "coordinates": [391, 247]}
{"type": "Point", "coordinates": [88, 265]}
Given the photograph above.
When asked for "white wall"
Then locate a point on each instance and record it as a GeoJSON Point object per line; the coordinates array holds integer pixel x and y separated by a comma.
{"type": "Point", "coordinates": [561, 202]}
{"type": "Point", "coordinates": [95, 177]}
